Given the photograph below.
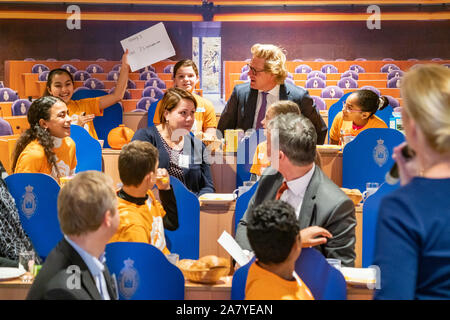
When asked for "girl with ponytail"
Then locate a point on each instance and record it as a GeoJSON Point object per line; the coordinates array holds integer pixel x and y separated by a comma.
{"type": "Point", "coordinates": [359, 108]}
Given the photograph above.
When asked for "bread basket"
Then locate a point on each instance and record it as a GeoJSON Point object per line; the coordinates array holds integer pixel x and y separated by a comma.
{"type": "Point", "coordinates": [199, 271]}
{"type": "Point", "coordinates": [354, 194]}
{"type": "Point", "coordinates": [208, 276]}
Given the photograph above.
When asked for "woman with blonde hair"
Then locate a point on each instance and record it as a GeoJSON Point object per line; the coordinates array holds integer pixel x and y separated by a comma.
{"type": "Point", "coordinates": [413, 231]}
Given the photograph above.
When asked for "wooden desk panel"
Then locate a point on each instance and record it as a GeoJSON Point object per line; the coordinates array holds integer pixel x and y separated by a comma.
{"type": "Point", "coordinates": [214, 220]}
{"type": "Point", "coordinates": [18, 123]}
{"type": "Point", "coordinates": [5, 109]}
{"type": "Point", "coordinates": [7, 146]}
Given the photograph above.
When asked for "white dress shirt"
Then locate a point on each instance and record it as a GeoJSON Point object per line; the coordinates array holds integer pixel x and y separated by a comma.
{"type": "Point", "coordinates": [296, 190]}
{"type": "Point", "coordinates": [95, 266]}
{"type": "Point", "coordinates": [272, 96]}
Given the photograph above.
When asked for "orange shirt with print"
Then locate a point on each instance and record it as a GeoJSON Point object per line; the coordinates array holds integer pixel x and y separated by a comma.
{"type": "Point", "coordinates": [141, 223]}
{"type": "Point", "coordinates": [335, 131]}
{"type": "Point", "coordinates": [89, 106]}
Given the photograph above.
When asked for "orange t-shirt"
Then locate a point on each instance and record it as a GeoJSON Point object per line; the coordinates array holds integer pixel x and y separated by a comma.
{"type": "Point", "coordinates": [205, 115]}
{"type": "Point", "coordinates": [33, 159]}
{"type": "Point", "coordinates": [260, 159]}
{"type": "Point", "coordinates": [265, 285]}
{"type": "Point", "coordinates": [88, 105]}
{"type": "Point", "coordinates": [335, 131]}
{"type": "Point", "coordinates": [141, 223]}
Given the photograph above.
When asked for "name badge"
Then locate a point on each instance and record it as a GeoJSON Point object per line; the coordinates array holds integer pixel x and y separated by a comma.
{"type": "Point", "coordinates": [200, 109]}
{"type": "Point", "coordinates": [183, 161]}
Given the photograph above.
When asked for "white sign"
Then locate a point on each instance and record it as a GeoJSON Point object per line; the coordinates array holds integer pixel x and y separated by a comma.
{"type": "Point", "coordinates": [233, 248]}
{"type": "Point", "coordinates": [148, 46]}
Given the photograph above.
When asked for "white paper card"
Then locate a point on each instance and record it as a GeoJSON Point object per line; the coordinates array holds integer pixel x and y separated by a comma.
{"type": "Point", "coordinates": [183, 161]}
{"type": "Point", "coordinates": [148, 46]}
{"type": "Point", "coordinates": [233, 248]}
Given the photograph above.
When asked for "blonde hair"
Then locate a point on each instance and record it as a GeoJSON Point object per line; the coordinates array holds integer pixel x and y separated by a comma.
{"type": "Point", "coordinates": [83, 201]}
{"type": "Point", "coordinates": [275, 60]}
{"type": "Point", "coordinates": [426, 93]}
{"type": "Point", "coordinates": [283, 107]}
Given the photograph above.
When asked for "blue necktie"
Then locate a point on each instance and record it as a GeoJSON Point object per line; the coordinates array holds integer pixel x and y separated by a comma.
{"type": "Point", "coordinates": [262, 111]}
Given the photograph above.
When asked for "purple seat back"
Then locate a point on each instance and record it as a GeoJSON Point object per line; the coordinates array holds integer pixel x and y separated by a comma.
{"type": "Point", "coordinates": [315, 83]}
{"type": "Point", "coordinates": [347, 83]}
{"type": "Point", "coordinates": [332, 92]}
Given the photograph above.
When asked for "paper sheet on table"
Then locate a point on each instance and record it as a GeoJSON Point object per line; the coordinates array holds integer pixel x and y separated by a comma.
{"type": "Point", "coordinates": [148, 46]}
{"type": "Point", "coordinates": [233, 248]}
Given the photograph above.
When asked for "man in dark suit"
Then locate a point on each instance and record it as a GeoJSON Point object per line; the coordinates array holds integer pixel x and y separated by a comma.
{"type": "Point", "coordinates": [325, 214]}
{"type": "Point", "coordinates": [75, 269]}
{"type": "Point", "coordinates": [248, 103]}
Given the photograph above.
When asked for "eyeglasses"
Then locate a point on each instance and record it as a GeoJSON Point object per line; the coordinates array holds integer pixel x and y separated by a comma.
{"type": "Point", "coordinates": [253, 70]}
{"type": "Point", "coordinates": [349, 109]}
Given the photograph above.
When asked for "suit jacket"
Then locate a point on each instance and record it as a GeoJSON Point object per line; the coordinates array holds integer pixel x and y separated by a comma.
{"type": "Point", "coordinates": [55, 279]}
{"type": "Point", "coordinates": [197, 177]}
{"type": "Point", "coordinates": [239, 112]}
{"type": "Point", "coordinates": [324, 205]}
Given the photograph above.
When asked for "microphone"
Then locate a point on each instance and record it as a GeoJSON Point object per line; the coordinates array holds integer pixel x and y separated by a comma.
{"type": "Point", "coordinates": [392, 175]}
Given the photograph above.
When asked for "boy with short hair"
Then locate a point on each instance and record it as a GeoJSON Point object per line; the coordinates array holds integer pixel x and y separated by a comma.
{"type": "Point", "coordinates": [142, 217]}
{"type": "Point", "coordinates": [274, 235]}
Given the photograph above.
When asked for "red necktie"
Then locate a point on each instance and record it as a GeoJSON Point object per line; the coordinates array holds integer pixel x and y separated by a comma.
{"type": "Point", "coordinates": [280, 191]}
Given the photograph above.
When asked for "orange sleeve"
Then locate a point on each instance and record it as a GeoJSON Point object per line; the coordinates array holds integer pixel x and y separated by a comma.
{"type": "Point", "coordinates": [32, 160]}
{"type": "Point", "coordinates": [132, 233]}
{"type": "Point", "coordinates": [335, 131]}
{"type": "Point", "coordinates": [156, 116]}
{"type": "Point", "coordinates": [209, 116]}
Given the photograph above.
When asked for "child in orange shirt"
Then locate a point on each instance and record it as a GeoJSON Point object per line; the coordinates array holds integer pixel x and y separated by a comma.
{"type": "Point", "coordinates": [359, 108]}
{"type": "Point", "coordinates": [274, 235]}
{"type": "Point", "coordinates": [142, 217]}
{"type": "Point", "coordinates": [185, 76]}
{"type": "Point", "coordinates": [46, 147]}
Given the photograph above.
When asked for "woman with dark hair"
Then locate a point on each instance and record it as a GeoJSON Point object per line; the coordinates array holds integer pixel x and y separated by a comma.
{"type": "Point", "coordinates": [359, 109]}
{"type": "Point", "coordinates": [60, 84]}
{"type": "Point", "coordinates": [185, 76]}
{"type": "Point", "coordinates": [180, 153]}
{"type": "Point", "coordinates": [46, 147]}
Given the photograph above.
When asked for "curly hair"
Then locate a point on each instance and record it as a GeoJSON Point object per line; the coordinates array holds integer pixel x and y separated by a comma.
{"type": "Point", "coordinates": [39, 109]}
{"type": "Point", "coordinates": [272, 230]}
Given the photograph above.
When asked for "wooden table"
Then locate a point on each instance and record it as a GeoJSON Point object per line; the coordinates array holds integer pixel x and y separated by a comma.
{"type": "Point", "coordinates": [18, 290]}
{"type": "Point", "coordinates": [214, 220]}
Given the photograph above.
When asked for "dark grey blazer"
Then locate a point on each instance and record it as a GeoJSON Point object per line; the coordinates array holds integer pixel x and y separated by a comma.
{"type": "Point", "coordinates": [239, 112]}
{"type": "Point", "coordinates": [52, 281]}
{"type": "Point", "coordinates": [324, 205]}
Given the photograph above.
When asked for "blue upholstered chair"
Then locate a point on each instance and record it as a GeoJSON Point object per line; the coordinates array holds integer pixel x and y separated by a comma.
{"type": "Point", "coordinates": [112, 116]}
{"type": "Point", "coordinates": [43, 76]}
{"type": "Point", "coordinates": [69, 68]}
{"type": "Point", "coordinates": [153, 92]}
{"type": "Point", "coordinates": [94, 68]}
{"type": "Point", "coordinates": [303, 68]}
{"type": "Point", "coordinates": [242, 204]}
{"type": "Point", "coordinates": [351, 74]}
{"type": "Point", "coordinates": [369, 156]}
{"type": "Point", "coordinates": [36, 196]}
{"type": "Point", "coordinates": [357, 68]}
{"type": "Point", "coordinates": [143, 272]}
{"type": "Point", "coordinates": [147, 75]}
{"type": "Point", "coordinates": [20, 107]}
{"type": "Point", "coordinates": [81, 75]}
{"type": "Point", "coordinates": [371, 88]}
{"type": "Point", "coordinates": [244, 156]}
{"type": "Point", "coordinates": [370, 209]}
{"type": "Point", "coordinates": [88, 150]}
{"type": "Point", "coordinates": [316, 74]}
{"type": "Point", "coordinates": [38, 68]}
{"type": "Point", "coordinates": [329, 68]}
{"type": "Point", "coordinates": [332, 92]}
{"type": "Point", "coordinates": [5, 128]}
{"type": "Point", "coordinates": [347, 83]}
{"type": "Point", "coordinates": [94, 83]}
{"type": "Point", "coordinates": [395, 74]}
{"type": "Point", "coordinates": [389, 67]}
{"type": "Point", "coordinates": [186, 239]}
{"type": "Point", "coordinates": [8, 94]}
{"type": "Point", "coordinates": [315, 83]}
{"type": "Point", "coordinates": [319, 103]}
{"type": "Point", "coordinates": [155, 82]}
